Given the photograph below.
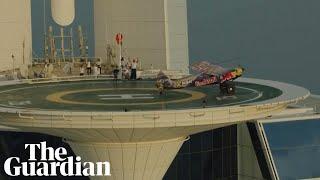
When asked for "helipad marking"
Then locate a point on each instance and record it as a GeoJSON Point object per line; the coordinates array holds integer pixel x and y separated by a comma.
{"type": "Point", "coordinates": [125, 96]}
{"type": "Point", "coordinates": [57, 97]}
{"type": "Point", "coordinates": [260, 94]}
{"type": "Point", "coordinates": [19, 103]}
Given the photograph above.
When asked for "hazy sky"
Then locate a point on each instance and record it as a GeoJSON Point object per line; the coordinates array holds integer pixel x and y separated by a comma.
{"type": "Point", "coordinates": [273, 39]}
{"type": "Point", "coordinates": [83, 17]}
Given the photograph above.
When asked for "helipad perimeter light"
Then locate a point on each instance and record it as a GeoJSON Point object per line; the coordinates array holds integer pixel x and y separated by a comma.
{"type": "Point", "coordinates": [63, 11]}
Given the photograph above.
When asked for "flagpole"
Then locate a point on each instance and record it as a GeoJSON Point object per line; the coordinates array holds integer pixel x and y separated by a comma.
{"type": "Point", "coordinates": [120, 53]}
{"type": "Point", "coordinates": [119, 38]}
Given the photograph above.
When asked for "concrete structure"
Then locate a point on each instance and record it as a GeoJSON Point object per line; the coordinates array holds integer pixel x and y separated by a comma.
{"type": "Point", "coordinates": [155, 31]}
{"type": "Point", "coordinates": [15, 34]}
{"type": "Point", "coordinates": [63, 11]}
{"type": "Point", "coordinates": [284, 146]}
{"type": "Point", "coordinates": [141, 144]}
{"type": "Point", "coordinates": [157, 35]}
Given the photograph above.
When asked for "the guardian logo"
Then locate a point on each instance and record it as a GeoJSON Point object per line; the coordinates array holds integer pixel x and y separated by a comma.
{"type": "Point", "coordinates": [51, 162]}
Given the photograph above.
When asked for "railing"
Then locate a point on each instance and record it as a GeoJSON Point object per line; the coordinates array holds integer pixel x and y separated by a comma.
{"type": "Point", "coordinates": [68, 78]}
{"type": "Point", "coordinates": [189, 117]}
{"type": "Point", "coordinates": [74, 59]}
{"type": "Point", "coordinates": [314, 103]}
{"type": "Point", "coordinates": [316, 107]}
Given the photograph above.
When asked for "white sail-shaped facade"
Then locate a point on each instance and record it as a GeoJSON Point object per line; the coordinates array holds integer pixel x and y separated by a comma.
{"type": "Point", "coordinates": [15, 34]}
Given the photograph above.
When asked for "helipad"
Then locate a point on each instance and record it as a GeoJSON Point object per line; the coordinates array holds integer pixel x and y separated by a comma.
{"type": "Point", "coordinates": [128, 123]}
{"type": "Point", "coordinates": [108, 95]}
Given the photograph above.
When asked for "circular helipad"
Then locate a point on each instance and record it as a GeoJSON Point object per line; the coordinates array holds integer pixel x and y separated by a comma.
{"type": "Point", "coordinates": [108, 95]}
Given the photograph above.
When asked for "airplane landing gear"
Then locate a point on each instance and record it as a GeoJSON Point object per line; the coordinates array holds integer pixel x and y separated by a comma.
{"type": "Point", "coordinates": [227, 88]}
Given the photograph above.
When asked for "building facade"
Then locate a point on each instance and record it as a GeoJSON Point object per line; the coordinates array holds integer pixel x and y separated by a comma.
{"type": "Point", "coordinates": [157, 34]}
{"type": "Point", "coordinates": [15, 34]}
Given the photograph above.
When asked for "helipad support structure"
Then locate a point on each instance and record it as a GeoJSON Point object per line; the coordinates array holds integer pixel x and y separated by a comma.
{"type": "Point", "coordinates": [141, 142]}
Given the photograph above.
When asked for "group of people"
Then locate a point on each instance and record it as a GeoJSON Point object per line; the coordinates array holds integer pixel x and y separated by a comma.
{"type": "Point", "coordinates": [128, 69]}
{"type": "Point", "coordinates": [94, 69]}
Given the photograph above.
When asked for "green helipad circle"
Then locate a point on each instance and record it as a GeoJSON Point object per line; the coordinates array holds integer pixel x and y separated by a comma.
{"type": "Point", "coordinates": [125, 95]}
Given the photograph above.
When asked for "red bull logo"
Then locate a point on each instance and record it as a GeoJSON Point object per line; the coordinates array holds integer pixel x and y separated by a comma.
{"type": "Point", "coordinates": [206, 81]}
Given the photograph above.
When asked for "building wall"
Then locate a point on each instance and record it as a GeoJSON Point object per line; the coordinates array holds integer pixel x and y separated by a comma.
{"type": "Point", "coordinates": [176, 23]}
{"type": "Point", "coordinates": [143, 29]}
{"type": "Point", "coordinates": [208, 155]}
{"type": "Point", "coordinates": [249, 168]}
{"type": "Point", "coordinates": [150, 28]}
{"type": "Point", "coordinates": [15, 33]}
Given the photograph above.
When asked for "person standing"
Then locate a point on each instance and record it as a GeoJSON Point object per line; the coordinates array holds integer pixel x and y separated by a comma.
{"type": "Point", "coordinates": [95, 70]}
{"type": "Point", "coordinates": [99, 65]}
{"type": "Point", "coordinates": [122, 63]}
{"type": "Point", "coordinates": [134, 69]}
{"type": "Point", "coordinates": [115, 73]}
{"type": "Point", "coordinates": [46, 69]}
{"type": "Point", "coordinates": [81, 70]}
{"type": "Point", "coordinates": [88, 67]}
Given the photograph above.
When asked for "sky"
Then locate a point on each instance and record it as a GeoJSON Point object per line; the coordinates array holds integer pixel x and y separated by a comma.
{"type": "Point", "coordinates": [39, 17]}
{"type": "Point", "coordinates": [272, 39]}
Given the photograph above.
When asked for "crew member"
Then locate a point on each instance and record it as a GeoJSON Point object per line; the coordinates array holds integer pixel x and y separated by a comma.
{"type": "Point", "coordinates": [99, 65]}
{"type": "Point", "coordinates": [88, 67]}
{"type": "Point", "coordinates": [95, 70]}
{"type": "Point", "coordinates": [115, 73]}
{"type": "Point", "coordinates": [122, 63]}
{"type": "Point", "coordinates": [81, 70]}
{"type": "Point", "coordinates": [134, 69]}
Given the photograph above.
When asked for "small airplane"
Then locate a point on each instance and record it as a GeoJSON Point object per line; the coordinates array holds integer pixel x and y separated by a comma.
{"type": "Point", "coordinates": [209, 74]}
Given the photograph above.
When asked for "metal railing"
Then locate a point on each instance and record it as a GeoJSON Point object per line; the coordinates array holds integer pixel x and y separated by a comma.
{"type": "Point", "coordinates": [68, 78]}
{"type": "Point", "coordinates": [189, 117]}
{"type": "Point", "coordinates": [74, 59]}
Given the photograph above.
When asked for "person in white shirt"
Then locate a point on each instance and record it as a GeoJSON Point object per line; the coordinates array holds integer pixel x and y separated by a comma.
{"type": "Point", "coordinates": [95, 70]}
{"type": "Point", "coordinates": [99, 65]}
{"type": "Point", "coordinates": [81, 70]}
{"type": "Point", "coordinates": [46, 69]}
{"type": "Point", "coordinates": [88, 67]}
{"type": "Point", "coordinates": [134, 69]}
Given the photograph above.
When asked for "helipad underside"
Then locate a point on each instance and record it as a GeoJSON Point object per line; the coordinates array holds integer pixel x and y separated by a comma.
{"type": "Point", "coordinates": [126, 95]}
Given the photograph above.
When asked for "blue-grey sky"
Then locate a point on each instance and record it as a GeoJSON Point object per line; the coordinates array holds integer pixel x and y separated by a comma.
{"type": "Point", "coordinates": [83, 16]}
{"type": "Point", "coordinates": [274, 39]}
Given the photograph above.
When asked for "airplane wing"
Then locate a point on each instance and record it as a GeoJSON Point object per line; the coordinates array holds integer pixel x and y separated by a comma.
{"type": "Point", "coordinates": [208, 68]}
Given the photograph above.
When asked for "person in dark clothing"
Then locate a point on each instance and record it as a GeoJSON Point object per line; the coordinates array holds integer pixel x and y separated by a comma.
{"type": "Point", "coordinates": [88, 67]}
{"type": "Point", "coordinates": [115, 73]}
{"type": "Point", "coordinates": [134, 69]}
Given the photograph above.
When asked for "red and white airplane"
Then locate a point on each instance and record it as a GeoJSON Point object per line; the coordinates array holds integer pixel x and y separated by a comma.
{"type": "Point", "coordinates": [209, 74]}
